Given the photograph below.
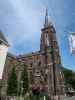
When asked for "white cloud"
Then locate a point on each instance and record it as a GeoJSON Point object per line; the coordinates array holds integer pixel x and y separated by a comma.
{"type": "Point", "coordinates": [30, 21]}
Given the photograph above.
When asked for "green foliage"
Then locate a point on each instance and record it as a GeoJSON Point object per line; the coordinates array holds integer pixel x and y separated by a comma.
{"type": "Point", "coordinates": [12, 83]}
{"type": "Point", "coordinates": [69, 77]}
{"type": "Point", "coordinates": [24, 79]}
{"type": "Point", "coordinates": [39, 97]}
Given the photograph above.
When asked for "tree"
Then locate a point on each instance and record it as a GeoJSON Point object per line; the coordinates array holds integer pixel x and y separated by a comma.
{"type": "Point", "coordinates": [69, 77]}
{"type": "Point", "coordinates": [12, 83]}
{"type": "Point", "coordinates": [24, 80]}
{"type": "Point", "coordinates": [73, 81]}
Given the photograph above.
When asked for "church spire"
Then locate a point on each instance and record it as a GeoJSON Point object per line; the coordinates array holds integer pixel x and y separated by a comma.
{"type": "Point", "coordinates": [46, 18]}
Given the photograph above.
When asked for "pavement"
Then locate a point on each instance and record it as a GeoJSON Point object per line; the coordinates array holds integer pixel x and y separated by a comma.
{"type": "Point", "coordinates": [68, 98]}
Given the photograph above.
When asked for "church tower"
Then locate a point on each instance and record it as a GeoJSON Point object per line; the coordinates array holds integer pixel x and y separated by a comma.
{"type": "Point", "coordinates": [49, 45]}
{"type": "Point", "coordinates": [48, 33]}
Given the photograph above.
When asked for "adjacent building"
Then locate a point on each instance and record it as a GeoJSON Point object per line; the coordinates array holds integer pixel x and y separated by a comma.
{"type": "Point", "coordinates": [3, 53]}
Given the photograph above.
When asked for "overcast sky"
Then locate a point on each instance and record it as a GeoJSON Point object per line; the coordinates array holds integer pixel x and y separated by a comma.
{"type": "Point", "coordinates": [21, 22]}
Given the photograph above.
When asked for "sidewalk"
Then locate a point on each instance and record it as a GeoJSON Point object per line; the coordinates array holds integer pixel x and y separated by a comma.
{"type": "Point", "coordinates": [68, 98]}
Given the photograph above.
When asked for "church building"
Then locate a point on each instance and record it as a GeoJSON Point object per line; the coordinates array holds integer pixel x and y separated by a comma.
{"type": "Point", "coordinates": [44, 66]}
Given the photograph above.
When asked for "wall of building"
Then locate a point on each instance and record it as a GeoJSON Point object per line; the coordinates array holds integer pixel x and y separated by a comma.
{"type": "Point", "coordinates": [3, 53]}
{"type": "Point", "coordinates": [9, 64]}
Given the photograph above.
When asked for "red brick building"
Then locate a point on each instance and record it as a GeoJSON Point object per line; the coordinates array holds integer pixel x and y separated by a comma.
{"type": "Point", "coordinates": [44, 66]}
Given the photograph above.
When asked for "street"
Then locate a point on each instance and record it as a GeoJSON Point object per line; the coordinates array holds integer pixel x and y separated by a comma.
{"type": "Point", "coordinates": [68, 98]}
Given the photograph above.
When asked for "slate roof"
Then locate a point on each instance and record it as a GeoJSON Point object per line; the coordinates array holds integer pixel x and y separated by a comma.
{"type": "Point", "coordinates": [11, 55]}
{"type": "Point", "coordinates": [3, 39]}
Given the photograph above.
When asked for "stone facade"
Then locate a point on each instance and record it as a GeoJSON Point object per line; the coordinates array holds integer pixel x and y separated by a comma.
{"type": "Point", "coordinates": [44, 66]}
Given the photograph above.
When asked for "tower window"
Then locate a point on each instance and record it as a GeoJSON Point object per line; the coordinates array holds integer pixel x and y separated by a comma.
{"type": "Point", "coordinates": [47, 39]}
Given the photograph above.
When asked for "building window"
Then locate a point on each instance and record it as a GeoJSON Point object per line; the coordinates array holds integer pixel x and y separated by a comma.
{"type": "Point", "coordinates": [31, 64]}
{"type": "Point", "coordinates": [46, 78]}
{"type": "Point", "coordinates": [47, 39]}
{"type": "Point", "coordinates": [39, 63]}
{"type": "Point", "coordinates": [31, 77]}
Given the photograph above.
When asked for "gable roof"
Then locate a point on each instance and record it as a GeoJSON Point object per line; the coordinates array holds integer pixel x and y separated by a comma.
{"type": "Point", "coordinates": [3, 39]}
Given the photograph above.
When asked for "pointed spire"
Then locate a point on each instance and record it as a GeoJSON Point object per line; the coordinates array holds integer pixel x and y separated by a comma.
{"type": "Point", "coordinates": [46, 18]}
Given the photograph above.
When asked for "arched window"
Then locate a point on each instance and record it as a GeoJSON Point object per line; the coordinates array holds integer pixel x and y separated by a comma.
{"type": "Point", "coordinates": [31, 64]}
{"type": "Point", "coordinates": [39, 63]}
{"type": "Point", "coordinates": [31, 77]}
{"type": "Point", "coordinates": [47, 39]}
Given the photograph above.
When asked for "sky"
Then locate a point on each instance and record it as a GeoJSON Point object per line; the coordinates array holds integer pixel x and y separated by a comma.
{"type": "Point", "coordinates": [21, 22]}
